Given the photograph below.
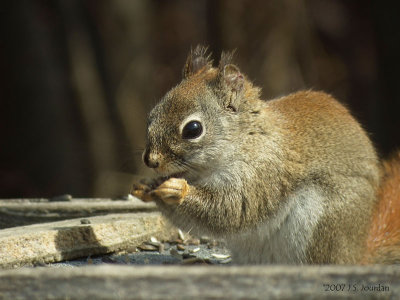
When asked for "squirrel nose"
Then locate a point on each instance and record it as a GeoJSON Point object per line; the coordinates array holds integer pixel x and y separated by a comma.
{"type": "Point", "coordinates": [150, 160]}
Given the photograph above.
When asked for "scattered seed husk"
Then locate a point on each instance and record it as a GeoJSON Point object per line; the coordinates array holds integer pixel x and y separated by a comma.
{"type": "Point", "coordinates": [192, 260]}
{"type": "Point", "coordinates": [155, 244]}
{"type": "Point", "coordinates": [180, 247]}
{"type": "Point", "coordinates": [225, 261]}
{"type": "Point", "coordinates": [220, 256]}
{"type": "Point", "coordinates": [181, 235]}
{"type": "Point", "coordinates": [177, 241]}
{"type": "Point", "coordinates": [147, 247]}
{"type": "Point", "coordinates": [194, 250]}
{"type": "Point", "coordinates": [154, 240]}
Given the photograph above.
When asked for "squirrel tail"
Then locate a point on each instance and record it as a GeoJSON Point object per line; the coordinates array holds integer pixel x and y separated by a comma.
{"type": "Point", "coordinates": [383, 243]}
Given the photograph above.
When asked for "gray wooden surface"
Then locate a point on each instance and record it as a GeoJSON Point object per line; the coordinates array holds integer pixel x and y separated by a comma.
{"type": "Point", "coordinates": [18, 212]}
{"type": "Point", "coordinates": [88, 227]}
{"type": "Point", "coordinates": [202, 282]}
{"type": "Point", "coordinates": [69, 239]}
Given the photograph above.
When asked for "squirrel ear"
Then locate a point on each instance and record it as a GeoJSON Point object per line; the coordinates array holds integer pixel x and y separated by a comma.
{"type": "Point", "coordinates": [196, 61]}
{"type": "Point", "coordinates": [231, 81]}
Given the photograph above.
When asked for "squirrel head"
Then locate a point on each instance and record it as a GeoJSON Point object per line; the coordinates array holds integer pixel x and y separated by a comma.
{"type": "Point", "coordinates": [191, 127]}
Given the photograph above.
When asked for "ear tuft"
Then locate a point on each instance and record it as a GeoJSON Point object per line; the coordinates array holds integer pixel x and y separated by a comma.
{"type": "Point", "coordinates": [233, 79]}
{"type": "Point", "coordinates": [230, 82]}
{"type": "Point", "coordinates": [196, 61]}
{"type": "Point", "coordinates": [226, 59]}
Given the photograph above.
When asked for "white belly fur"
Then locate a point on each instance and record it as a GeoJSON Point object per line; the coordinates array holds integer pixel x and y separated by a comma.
{"type": "Point", "coordinates": [284, 238]}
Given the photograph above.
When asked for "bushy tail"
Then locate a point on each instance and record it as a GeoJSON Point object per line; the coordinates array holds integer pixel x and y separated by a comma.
{"type": "Point", "coordinates": [383, 244]}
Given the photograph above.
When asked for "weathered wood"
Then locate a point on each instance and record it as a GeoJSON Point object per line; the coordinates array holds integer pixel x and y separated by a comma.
{"type": "Point", "coordinates": [69, 239]}
{"type": "Point", "coordinates": [196, 282]}
{"type": "Point", "coordinates": [18, 212]}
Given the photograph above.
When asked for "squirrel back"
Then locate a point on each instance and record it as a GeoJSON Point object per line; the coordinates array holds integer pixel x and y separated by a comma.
{"type": "Point", "coordinates": [383, 243]}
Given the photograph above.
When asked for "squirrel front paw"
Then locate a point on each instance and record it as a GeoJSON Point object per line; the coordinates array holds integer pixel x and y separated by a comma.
{"type": "Point", "coordinates": [171, 191]}
{"type": "Point", "coordinates": [141, 191]}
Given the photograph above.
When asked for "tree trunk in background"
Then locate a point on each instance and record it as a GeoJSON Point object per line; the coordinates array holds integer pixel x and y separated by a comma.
{"type": "Point", "coordinates": [40, 152]}
{"type": "Point", "coordinates": [79, 77]}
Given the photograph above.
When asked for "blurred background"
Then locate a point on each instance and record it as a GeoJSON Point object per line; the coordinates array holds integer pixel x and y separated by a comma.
{"type": "Point", "coordinates": [77, 78]}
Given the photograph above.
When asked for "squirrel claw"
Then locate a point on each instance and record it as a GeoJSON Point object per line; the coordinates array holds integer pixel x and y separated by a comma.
{"type": "Point", "coordinates": [171, 191]}
{"type": "Point", "coordinates": [141, 191]}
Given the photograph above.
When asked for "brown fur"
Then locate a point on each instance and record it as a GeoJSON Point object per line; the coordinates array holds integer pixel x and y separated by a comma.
{"type": "Point", "coordinates": [383, 243]}
{"type": "Point", "coordinates": [290, 180]}
{"type": "Point", "coordinates": [329, 136]}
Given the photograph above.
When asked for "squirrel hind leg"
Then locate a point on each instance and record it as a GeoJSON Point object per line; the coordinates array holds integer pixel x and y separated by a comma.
{"type": "Point", "coordinates": [383, 243]}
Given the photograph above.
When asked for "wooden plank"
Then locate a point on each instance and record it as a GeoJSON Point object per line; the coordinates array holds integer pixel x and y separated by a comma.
{"type": "Point", "coordinates": [69, 239]}
{"type": "Point", "coordinates": [18, 212]}
{"type": "Point", "coordinates": [202, 282]}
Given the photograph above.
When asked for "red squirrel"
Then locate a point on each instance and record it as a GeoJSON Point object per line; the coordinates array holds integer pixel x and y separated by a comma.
{"type": "Point", "coordinates": [293, 180]}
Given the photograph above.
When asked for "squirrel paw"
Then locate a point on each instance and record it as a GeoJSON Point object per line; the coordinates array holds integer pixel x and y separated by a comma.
{"type": "Point", "coordinates": [171, 191]}
{"type": "Point", "coordinates": [141, 191]}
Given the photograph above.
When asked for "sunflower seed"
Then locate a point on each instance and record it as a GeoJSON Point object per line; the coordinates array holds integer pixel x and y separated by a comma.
{"type": "Point", "coordinates": [220, 256]}
{"type": "Point", "coordinates": [147, 247]}
{"type": "Point", "coordinates": [181, 236]}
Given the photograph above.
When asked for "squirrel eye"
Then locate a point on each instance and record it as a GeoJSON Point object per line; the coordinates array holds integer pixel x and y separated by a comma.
{"type": "Point", "coordinates": [192, 130]}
